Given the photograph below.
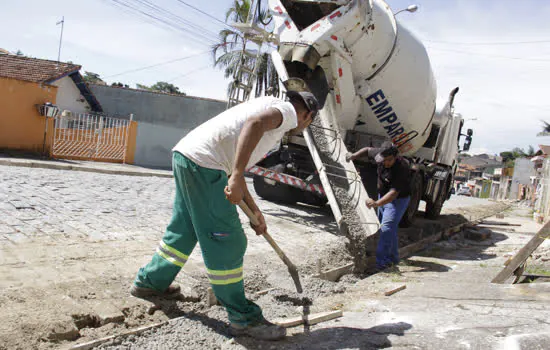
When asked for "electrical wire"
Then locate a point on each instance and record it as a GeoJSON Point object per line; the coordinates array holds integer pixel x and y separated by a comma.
{"type": "Point", "coordinates": [167, 23]}
{"type": "Point", "coordinates": [189, 73]}
{"type": "Point", "coordinates": [204, 13]}
{"type": "Point", "coordinates": [156, 65]}
{"type": "Point", "coordinates": [176, 17]}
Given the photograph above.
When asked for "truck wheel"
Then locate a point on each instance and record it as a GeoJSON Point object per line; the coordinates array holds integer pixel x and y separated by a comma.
{"type": "Point", "coordinates": [416, 194]}
{"type": "Point", "coordinates": [275, 191]}
{"type": "Point", "coordinates": [312, 199]}
{"type": "Point", "coordinates": [433, 208]}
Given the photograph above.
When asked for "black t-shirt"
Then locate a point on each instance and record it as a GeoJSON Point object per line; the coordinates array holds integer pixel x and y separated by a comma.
{"type": "Point", "coordinates": [397, 177]}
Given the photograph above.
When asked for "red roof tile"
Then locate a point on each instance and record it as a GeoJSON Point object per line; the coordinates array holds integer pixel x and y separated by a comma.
{"type": "Point", "coordinates": [34, 69]}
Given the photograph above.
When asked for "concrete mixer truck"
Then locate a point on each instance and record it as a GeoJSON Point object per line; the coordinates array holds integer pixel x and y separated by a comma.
{"type": "Point", "coordinates": [374, 81]}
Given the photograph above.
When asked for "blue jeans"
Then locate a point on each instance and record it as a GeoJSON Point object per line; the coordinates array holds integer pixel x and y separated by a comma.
{"type": "Point", "coordinates": [390, 215]}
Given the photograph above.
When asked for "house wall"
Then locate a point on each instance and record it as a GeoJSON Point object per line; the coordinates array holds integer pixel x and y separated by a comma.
{"type": "Point", "coordinates": [69, 97]}
{"type": "Point", "coordinates": [154, 144]}
{"type": "Point", "coordinates": [523, 170]}
{"type": "Point", "coordinates": [21, 126]}
{"type": "Point", "coordinates": [163, 119]}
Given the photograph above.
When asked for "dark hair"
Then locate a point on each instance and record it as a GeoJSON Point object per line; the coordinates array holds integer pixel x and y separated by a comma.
{"type": "Point", "coordinates": [297, 101]}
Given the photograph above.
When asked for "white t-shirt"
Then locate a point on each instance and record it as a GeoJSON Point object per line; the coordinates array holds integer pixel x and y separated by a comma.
{"type": "Point", "coordinates": [213, 144]}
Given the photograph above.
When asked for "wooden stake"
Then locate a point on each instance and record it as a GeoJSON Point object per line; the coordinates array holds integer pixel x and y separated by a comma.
{"type": "Point", "coordinates": [393, 291]}
{"type": "Point", "coordinates": [311, 319]}
{"type": "Point", "coordinates": [523, 254]}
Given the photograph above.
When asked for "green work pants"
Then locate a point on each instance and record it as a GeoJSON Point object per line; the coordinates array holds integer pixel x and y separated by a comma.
{"type": "Point", "coordinates": [202, 213]}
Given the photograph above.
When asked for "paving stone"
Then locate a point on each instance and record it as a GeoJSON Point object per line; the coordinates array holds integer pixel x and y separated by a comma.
{"type": "Point", "coordinates": [70, 204]}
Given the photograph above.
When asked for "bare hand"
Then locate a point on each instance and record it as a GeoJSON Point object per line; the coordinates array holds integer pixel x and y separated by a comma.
{"type": "Point", "coordinates": [262, 227]}
{"type": "Point", "coordinates": [234, 191]}
{"type": "Point", "coordinates": [349, 156]}
{"type": "Point", "coordinates": [371, 203]}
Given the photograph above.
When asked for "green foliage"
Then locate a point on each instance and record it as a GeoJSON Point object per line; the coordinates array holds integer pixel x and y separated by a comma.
{"type": "Point", "coordinates": [92, 78]}
{"type": "Point", "coordinates": [162, 86]}
{"type": "Point", "coordinates": [119, 84]}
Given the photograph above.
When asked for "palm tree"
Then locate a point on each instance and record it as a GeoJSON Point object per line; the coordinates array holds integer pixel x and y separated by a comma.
{"type": "Point", "coordinates": [227, 53]}
{"type": "Point", "coordinates": [545, 129]}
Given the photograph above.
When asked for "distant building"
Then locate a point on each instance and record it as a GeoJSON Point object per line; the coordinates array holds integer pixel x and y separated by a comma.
{"type": "Point", "coordinates": [26, 82]}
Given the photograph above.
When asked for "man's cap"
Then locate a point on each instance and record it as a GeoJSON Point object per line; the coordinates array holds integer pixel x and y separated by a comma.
{"type": "Point", "coordinates": [309, 99]}
{"type": "Point", "coordinates": [387, 149]}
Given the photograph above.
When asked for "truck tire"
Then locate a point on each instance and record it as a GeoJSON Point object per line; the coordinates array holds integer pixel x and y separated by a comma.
{"type": "Point", "coordinates": [275, 191]}
{"type": "Point", "coordinates": [416, 194]}
{"type": "Point", "coordinates": [433, 208]}
{"type": "Point", "coordinates": [312, 199]}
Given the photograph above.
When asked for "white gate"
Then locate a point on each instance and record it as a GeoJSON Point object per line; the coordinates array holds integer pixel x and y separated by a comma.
{"type": "Point", "coordinates": [90, 137]}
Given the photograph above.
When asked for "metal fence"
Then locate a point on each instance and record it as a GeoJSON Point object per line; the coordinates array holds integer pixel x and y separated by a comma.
{"type": "Point", "coordinates": [90, 137]}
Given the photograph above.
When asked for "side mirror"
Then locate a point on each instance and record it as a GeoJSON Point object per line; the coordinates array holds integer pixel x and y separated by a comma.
{"type": "Point", "coordinates": [470, 132]}
{"type": "Point", "coordinates": [467, 143]}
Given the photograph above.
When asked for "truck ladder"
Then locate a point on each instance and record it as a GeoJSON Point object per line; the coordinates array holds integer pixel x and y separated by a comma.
{"type": "Point", "coordinates": [246, 72]}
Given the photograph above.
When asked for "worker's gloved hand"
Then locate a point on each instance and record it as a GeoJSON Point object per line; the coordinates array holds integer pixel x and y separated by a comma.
{"type": "Point", "coordinates": [262, 227]}
{"type": "Point", "coordinates": [234, 191]}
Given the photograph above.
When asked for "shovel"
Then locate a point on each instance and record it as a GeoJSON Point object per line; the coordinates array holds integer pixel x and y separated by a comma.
{"type": "Point", "coordinates": [291, 267]}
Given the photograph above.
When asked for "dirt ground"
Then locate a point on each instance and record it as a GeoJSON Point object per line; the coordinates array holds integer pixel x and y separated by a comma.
{"type": "Point", "coordinates": [54, 294]}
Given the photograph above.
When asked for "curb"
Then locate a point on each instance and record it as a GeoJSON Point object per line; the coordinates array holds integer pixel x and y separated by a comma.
{"type": "Point", "coordinates": [48, 165]}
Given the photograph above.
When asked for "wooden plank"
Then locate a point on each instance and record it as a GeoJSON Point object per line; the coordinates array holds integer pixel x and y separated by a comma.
{"type": "Point", "coordinates": [497, 223]}
{"type": "Point", "coordinates": [265, 291]}
{"type": "Point", "coordinates": [523, 254]}
{"type": "Point", "coordinates": [395, 290]}
{"type": "Point", "coordinates": [334, 274]}
{"type": "Point", "coordinates": [413, 248]}
{"type": "Point", "coordinates": [97, 342]}
{"type": "Point", "coordinates": [311, 319]}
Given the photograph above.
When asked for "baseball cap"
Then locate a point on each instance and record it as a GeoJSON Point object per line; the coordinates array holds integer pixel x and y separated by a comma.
{"type": "Point", "coordinates": [387, 149]}
{"type": "Point", "coordinates": [308, 98]}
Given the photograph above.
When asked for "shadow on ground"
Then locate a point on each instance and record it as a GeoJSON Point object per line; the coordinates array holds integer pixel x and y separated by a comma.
{"type": "Point", "coordinates": [335, 338]}
{"type": "Point", "coordinates": [326, 338]}
{"type": "Point", "coordinates": [319, 217]}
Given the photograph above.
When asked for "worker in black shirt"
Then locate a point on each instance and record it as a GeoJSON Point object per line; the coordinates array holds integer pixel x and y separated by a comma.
{"type": "Point", "coordinates": [393, 198]}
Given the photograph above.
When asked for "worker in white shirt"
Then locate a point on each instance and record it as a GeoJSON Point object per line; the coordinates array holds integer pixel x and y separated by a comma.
{"type": "Point", "coordinates": [209, 165]}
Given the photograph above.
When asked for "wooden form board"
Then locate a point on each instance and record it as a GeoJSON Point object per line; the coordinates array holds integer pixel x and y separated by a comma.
{"type": "Point", "coordinates": [311, 319]}
{"type": "Point", "coordinates": [523, 254]}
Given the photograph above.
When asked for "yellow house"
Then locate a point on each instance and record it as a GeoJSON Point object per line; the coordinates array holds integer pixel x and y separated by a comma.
{"type": "Point", "coordinates": [27, 82]}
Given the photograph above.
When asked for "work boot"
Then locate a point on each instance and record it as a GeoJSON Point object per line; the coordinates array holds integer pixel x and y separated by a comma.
{"type": "Point", "coordinates": [263, 330]}
{"type": "Point", "coordinates": [171, 292]}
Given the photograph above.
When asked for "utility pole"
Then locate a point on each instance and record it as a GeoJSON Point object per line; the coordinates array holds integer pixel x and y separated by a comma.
{"type": "Point", "coordinates": [62, 22]}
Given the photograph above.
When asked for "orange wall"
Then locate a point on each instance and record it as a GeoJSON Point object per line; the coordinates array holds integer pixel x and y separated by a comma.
{"type": "Point", "coordinates": [21, 126]}
{"type": "Point", "coordinates": [132, 137]}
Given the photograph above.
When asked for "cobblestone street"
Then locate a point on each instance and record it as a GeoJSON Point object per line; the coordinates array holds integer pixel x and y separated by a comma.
{"type": "Point", "coordinates": [56, 205]}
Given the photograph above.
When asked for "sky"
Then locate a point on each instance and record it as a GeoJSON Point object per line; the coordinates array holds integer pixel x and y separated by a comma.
{"type": "Point", "coordinates": [484, 47]}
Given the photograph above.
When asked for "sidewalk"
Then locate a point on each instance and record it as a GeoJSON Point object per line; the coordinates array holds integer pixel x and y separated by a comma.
{"type": "Point", "coordinates": [88, 166]}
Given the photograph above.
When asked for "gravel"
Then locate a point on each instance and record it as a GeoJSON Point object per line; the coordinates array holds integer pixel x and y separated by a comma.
{"type": "Point", "coordinates": [355, 233]}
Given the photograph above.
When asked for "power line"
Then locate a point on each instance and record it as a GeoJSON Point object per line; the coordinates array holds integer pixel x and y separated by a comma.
{"type": "Point", "coordinates": [189, 73]}
{"type": "Point", "coordinates": [204, 13]}
{"type": "Point", "coordinates": [165, 22]}
{"type": "Point", "coordinates": [157, 64]}
{"type": "Point", "coordinates": [490, 43]}
{"type": "Point", "coordinates": [176, 17]}
{"type": "Point", "coordinates": [489, 55]}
